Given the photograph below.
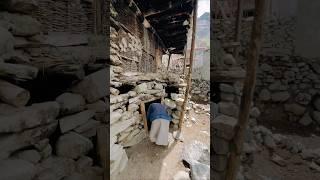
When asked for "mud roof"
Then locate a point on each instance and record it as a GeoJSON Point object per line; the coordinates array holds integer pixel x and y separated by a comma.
{"type": "Point", "coordinates": [170, 19]}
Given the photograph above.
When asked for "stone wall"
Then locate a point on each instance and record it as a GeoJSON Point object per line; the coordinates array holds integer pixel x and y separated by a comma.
{"type": "Point", "coordinates": [52, 95]}
{"type": "Point", "coordinates": [226, 113]}
{"type": "Point", "coordinates": [278, 34]}
{"type": "Point", "coordinates": [135, 78]}
{"type": "Point", "coordinates": [200, 91]}
{"type": "Point", "coordinates": [290, 86]}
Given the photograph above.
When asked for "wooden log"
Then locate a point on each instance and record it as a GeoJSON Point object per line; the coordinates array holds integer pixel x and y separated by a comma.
{"type": "Point", "coordinates": [13, 95]}
{"type": "Point", "coordinates": [18, 72]}
{"type": "Point", "coordinates": [248, 90]}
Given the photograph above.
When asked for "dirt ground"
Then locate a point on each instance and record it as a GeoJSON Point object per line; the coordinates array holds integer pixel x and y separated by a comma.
{"type": "Point", "coordinates": [295, 168]}
{"type": "Point", "coordinates": [148, 161]}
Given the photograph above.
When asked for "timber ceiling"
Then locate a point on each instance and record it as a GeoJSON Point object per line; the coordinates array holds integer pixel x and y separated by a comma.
{"type": "Point", "coordinates": [168, 18]}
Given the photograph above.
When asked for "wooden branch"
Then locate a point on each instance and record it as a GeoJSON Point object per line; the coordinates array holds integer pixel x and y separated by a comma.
{"type": "Point", "coordinates": [184, 106]}
{"type": "Point", "coordinates": [18, 72]}
{"type": "Point", "coordinates": [248, 90]}
{"type": "Point", "coordinates": [13, 95]}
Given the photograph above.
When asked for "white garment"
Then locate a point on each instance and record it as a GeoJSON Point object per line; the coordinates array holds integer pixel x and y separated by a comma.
{"type": "Point", "coordinates": [159, 131]}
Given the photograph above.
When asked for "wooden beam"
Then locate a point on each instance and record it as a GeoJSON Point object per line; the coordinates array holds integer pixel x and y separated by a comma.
{"type": "Point", "coordinates": [174, 5]}
{"type": "Point", "coordinates": [184, 106]}
{"type": "Point", "coordinates": [248, 90]}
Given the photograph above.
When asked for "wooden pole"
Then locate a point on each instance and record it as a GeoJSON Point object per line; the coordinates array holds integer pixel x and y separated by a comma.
{"type": "Point", "coordinates": [238, 29]}
{"type": "Point", "coordinates": [194, 24]}
{"type": "Point", "coordinates": [169, 62]}
{"type": "Point", "coordinates": [248, 89]}
{"type": "Point", "coordinates": [184, 62]}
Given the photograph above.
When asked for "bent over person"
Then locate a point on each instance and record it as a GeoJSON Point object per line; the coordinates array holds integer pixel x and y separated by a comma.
{"type": "Point", "coordinates": [160, 121]}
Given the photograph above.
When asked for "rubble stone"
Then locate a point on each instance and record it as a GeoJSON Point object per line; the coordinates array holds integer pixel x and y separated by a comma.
{"type": "Point", "coordinates": [73, 145]}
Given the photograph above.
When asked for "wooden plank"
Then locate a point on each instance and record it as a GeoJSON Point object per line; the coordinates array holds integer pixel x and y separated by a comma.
{"type": "Point", "coordinates": [144, 117]}
{"type": "Point", "coordinates": [184, 106]}
{"type": "Point", "coordinates": [248, 90]}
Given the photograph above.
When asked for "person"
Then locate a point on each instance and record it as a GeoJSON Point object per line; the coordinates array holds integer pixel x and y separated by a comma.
{"type": "Point", "coordinates": [160, 120]}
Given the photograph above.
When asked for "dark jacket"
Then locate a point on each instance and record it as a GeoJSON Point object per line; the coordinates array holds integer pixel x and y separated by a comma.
{"type": "Point", "coordinates": [157, 111]}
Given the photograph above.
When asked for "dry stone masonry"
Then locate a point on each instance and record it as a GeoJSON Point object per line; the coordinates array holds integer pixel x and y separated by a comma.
{"type": "Point", "coordinates": [135, 78]}
{"type": "Point", "coordinates": [52, 95]}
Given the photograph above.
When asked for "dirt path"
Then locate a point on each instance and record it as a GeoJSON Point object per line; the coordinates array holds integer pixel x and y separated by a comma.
{"type": "Point", "coordinates": [295, 168]}
{"type": "Point", "coordinates": [148, 161]}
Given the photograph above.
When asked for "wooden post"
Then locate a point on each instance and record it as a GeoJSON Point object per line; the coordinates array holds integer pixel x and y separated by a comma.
{"type": "Point", "coordinates": [103, 150]}
{"type": "Point", "coordinates": [248, 89]}
{"type": "Point", "coordinates": [185, 61]}
{"type": "Point", "coordinates": [238, 29]}
{"type": "Point", "coordinates": [169, 62]}
{"type": "Point", "coordinates": [143, 112]}
{"type": "Point", "coordinates": [194, 24]}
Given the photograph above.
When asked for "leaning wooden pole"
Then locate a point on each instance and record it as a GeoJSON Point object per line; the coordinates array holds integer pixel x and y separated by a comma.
{"type": "Point", "coordinates": [248, 89]}
{"type": "Point", "coordinates": [238, 28]}
{"type": "Point", "coordinates": [194, 24]}
{"type": "Point", "coordinates": [169, 61]}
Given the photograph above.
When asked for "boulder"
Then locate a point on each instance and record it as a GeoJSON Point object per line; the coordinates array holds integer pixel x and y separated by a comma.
{"type": "Point", "coordinates": [32, 156]}
{"type": "Point", "coordinates": [141, 88]}
{"type": "Point", "coordinates": [229, 60]}
{"type": "Point", "coordinates": [118, 127]}
{"type": "Point", "coordinates": [72, 145]}
{"type": "Point", "coordinates": [255, 112]}
{"type": "Point", "coordinates": [71, 122]}
{"type": "Point", "coordinates": [229, 109]}
{"type": "Point", "coordinates": [56, 167]}
{"type": "Point", "coordinates": [295, 109]}
{"type": "Point", "coordinates": [93, 86]}
{"type": "Point", "coordinates": [115, 116]}
{"type": "Point", "coordinates": [227, 97]}
{"type": "Point", "coordinates": [83, 163]}
{"type": "Point", "coordinates": [29, 117]}
{"type": "Point", "coordinates": [21, 25]}
{"type": "Point", "coordinates": [264, 95]}
{"type": "Point", "coordinates": [195, 151]}
{"type": "Point", "coordinates": [89, 125]}
{"type": "Point", "coordinates": [224, 126]}
{"type": "Point", "coordinates": [16, 169]}
{"type": "Point", "coordinates": [305, 120]}
{"type": "Point", "coordinates": [12, 142]}
{"type": "Point", "coordinates": [70, 103]}
{"type": "Point", "coordinates": [226, 88]}
{"type": "Point", "coordinates": [171, 104]}
{"type": "Point", "coordinates": [280, 96]}
{"type": "Point", "coordinates": [181, 175]}
{"type": "Point", "coordinates": [200, 171]}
